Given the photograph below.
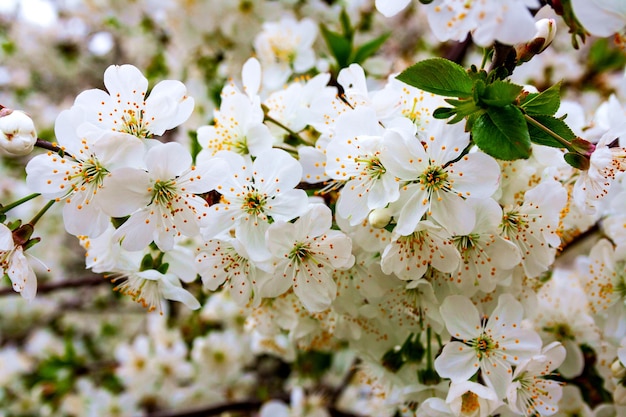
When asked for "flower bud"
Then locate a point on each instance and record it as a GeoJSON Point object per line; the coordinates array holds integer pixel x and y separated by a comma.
{"type": "Point", "coordinates": [380, 218]}
{"type": "Point", "coordinates": [17, 132]}
{"type": "Point", "coordinates": [546, 30]}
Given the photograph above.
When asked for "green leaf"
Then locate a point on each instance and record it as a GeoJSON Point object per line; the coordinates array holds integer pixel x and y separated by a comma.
{"type": "Point", "coordinates": [369, 48]}
{"type": "Point", "coordinates": [558, 126]}
{"type": "Point", "coordinates": [340, 47]}
{"type": "Point", "coordinates": [439, 76]}
{"type": "Point", "coordinates": [443, 113]}
{"type": "Point", "coordinates": [346, 25]}
{"type": "Point", "coordinates": [500, 93]}
{"type": "Point", "coordinates": [546, 102]}
{"type": "Point", "coordinates": [502, 133]}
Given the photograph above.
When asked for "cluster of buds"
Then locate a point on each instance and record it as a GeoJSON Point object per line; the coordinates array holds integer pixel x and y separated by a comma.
{"type": "Point", "coordinates": [17, 132]}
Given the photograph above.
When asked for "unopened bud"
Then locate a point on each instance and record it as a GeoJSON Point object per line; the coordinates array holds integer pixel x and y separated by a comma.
{"type": "Point", "coordinates": [380, 218]}
{"type": "Point", "coordinates": [546, 30]}
{"type": "Point", "coordinates": [17, 132]}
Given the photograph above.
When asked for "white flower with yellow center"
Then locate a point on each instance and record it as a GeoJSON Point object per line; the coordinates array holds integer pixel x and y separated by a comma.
{"type": "Point", "coordinates": [354, 156]}
{"type": "Point", "coordinates": [77, 177]}
{"type": "Point", "coordinates": [125, 108]}
{"type": "Point", "coordinates": [508, 21]}
{"type": "Point", "coordinates": [532, 226]}
{"type": "Point", "coordinates": [254, 194]}
{"type": "Point", "coordinates": [163, 201]}
{"type": "Point", "coordinates": [490, 344]}
{"type": "Point", "coordinates": [306, 253]}
{"type": "Point", "coordinates": [285, 47]}
{"type": "Point", "coordinates": [432, 184]}
{"type": "Point", "coordinates": [530, 392]}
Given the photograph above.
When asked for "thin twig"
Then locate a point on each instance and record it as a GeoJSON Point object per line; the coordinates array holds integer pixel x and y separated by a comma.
{"type": "Point", "coordinates": [90, 281]}
{"type": "Point", "coordinates": [241, 406]}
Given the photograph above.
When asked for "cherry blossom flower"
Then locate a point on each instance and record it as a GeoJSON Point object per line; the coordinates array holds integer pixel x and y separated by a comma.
{"type": "Point", "coordinates": [491, 345]}
{"type": "Point", "coordinates": [238, 127]}
{"type": "Point", "coordinates": [533, 225]}
{"type": "Point", "coordinates": [530, 392]}
{"type": "Point", "coordinates": [77, 177]}
{"type": "Point", "coordinates": [125, 108]}
{"type": "Point", "coordinates": [432, 184]}
{"type": "Point", "coordinates": [253, 195]}
{"type": "Point", "coordinates": [507, 21]}
{"type": "Point", "coordinates": [162, 201]}
{"type": "Point", "coordinates": [285, 47]}
{"type": "Point", "coordinates": [225, 260]}
{"type": "Point", "coordinates": [13, 262]}
{"type": "Point", "coordinates": [354, 155]}
{"type": "Point", "coordinates": [150, 288]}
{"type": "Point", "coordinates": [487, 258]}
{"type": "Point", "coordinates": [409, 256]}
{"type": "Point", "coordinates": [306, 253]}
{"type": "Point", "coordinates": [605, 164]}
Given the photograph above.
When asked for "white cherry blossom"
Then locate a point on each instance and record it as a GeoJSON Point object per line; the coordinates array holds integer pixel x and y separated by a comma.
{"type": "Point", "coordinates": [530, 391]}
{"type": "Point", "coordinates": [354, 156]}
{"type": "Point", "coordinates": [252, 194]}
{"type": "Point", "coordinates": [507, 21]}
{"type": "Point", "coordinates": [162, 201]}
{"type": "Point", "coordinates": [238, 127]}
{"type": "Point", "coordinates": [77, 177]}
{"type": "Point", "coordinates": [125, 109]}
{"type": "Point", "coordinates": [431, 184]}
{"type": "Point", "coordinates": [225, 261]}
{"type": "Point", "coordinates": [490, 344]}
{"type": "Point", "coordinates": [306, 252]}
{"type": "Point", "coordinates": [284, 48]}
{"type": "Point", "coordinates": [533, 226]}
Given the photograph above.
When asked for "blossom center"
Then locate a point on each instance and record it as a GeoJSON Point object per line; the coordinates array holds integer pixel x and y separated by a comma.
{"type": "Point", "coordinates": [512, 223]}
{"type": "Point", "coordinates": [254, 202]}
{"type": "Point", "coordinates": [373, 167]}
{"type": "Point", "coordinates": [133, 124]}
{"type": "Point", "coordinates": [164, 192]}
{"type": "Point", "coordinates": [484, 345]}
{"type": "Point", "coordinates": [434, 179]}
{"type": "Point", "coordinates": [301, 251]}
{"type": "Point", "coordinates": [91, 172]}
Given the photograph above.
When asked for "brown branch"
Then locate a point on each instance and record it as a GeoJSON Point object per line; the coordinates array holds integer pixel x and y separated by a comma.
{"type": "Point", "coordinates": [90, 281]}
{"type": "Point", "coordinates": [241, 406]}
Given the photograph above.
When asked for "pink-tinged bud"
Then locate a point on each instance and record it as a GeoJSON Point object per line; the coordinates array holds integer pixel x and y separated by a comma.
{"type": "Point", "coordinates": [17, 132]}
{"type": "Point", "coordinates": [546, 31]}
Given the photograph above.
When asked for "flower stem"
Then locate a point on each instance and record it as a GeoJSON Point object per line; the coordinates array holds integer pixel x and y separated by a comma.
{"type": "Point", "coordinates": [559, 138]}
{"type": "Point", "coordinates": [39, 215]}
{"type": "Point", "coordinates": [8, 207]}
{"type": "Point", "coordinates": [286, 129]}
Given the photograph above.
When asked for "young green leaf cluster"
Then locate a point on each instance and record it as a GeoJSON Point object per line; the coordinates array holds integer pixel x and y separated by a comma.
{"type": "Point", "coordinates": [504, 120]}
